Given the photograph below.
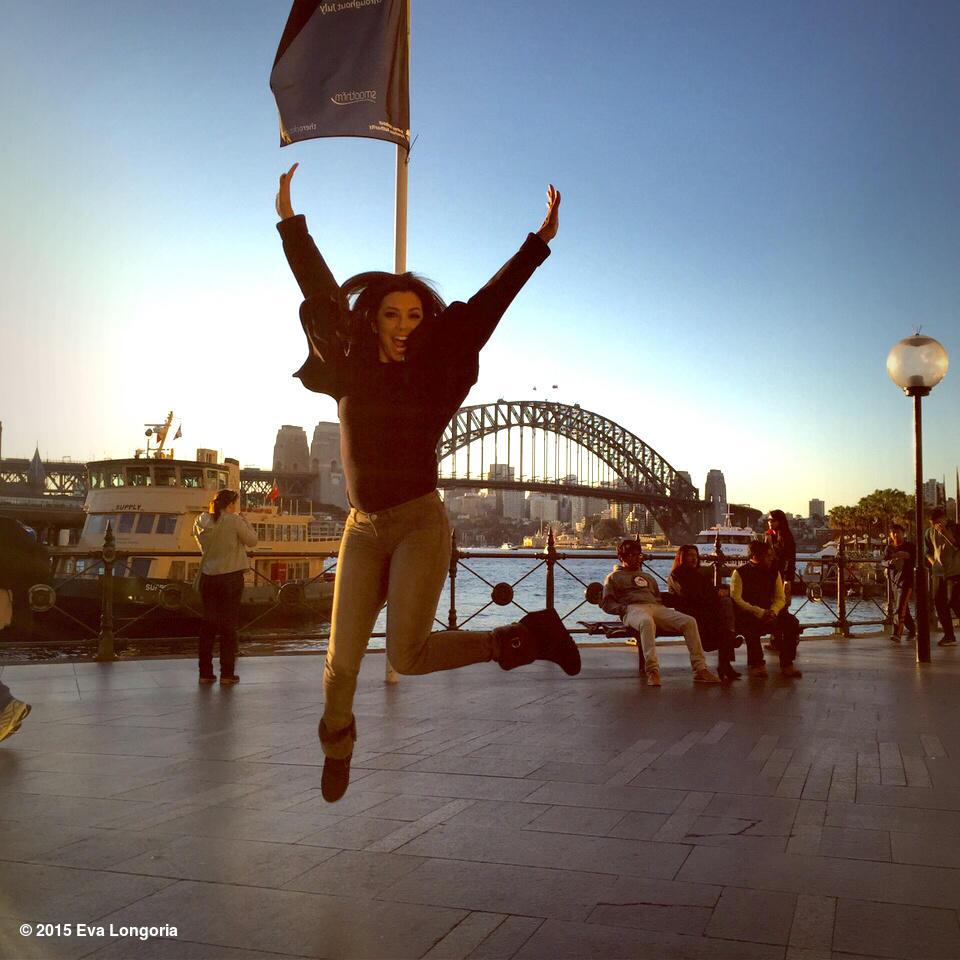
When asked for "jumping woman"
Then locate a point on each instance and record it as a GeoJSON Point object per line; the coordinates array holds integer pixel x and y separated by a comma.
{"type": "Point", "coordinates": [399, 362]}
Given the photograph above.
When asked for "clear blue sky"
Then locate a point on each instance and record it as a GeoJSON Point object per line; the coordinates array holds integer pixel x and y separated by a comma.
{"type": "Point", "coordinates": [759, 199]}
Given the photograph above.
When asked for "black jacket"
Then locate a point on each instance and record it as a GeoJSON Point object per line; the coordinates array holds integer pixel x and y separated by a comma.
{"type": "Point", "coordinates": [392, 415]}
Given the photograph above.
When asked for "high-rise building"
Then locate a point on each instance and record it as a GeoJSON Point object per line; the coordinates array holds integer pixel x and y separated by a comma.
{"type": "Point", "coordinates": [290, 453]}
{"type": "Point", "coordinates": [509, 502]}
{"type": "Point", "coordinates": [543, 507]}
{"type": "Point", "coordinates": [816, 510]}
{"type": "Point", "coordinates": [715, 493]}
{"type": "Point", "coordinates": [934, 493]}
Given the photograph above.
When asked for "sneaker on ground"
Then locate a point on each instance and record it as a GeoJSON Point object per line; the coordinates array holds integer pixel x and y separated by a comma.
{"type": "Point", "coordinates": [12, 715]}
{"type": "Point", "coordinates": [790, 671]}
{"type": "Point", "coordinates": [757, 673]}
{"type": "Point", "coordinates": [229, 679]}
{"type": "Point", "coordinates": [203, 679]}
{"type": "Point", "coordinates": [653, 677]}
{"type": "Point", "coordinates": [705, 675]}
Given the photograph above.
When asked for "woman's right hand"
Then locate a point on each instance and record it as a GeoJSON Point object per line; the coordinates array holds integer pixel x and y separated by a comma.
{"type": "Point", "coordinates": [283, 204]}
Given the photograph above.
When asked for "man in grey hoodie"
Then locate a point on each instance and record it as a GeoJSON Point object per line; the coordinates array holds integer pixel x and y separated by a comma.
{"type": "Point", "coordinates": [633, 595]}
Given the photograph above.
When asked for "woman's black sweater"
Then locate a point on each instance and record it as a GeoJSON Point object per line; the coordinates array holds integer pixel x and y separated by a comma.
{"type": "Point", "coordinates": [392, 415]}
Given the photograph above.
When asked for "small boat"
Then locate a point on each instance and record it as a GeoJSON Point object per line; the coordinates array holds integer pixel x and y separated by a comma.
{"type": "Point", "coordinates": [734, 540]}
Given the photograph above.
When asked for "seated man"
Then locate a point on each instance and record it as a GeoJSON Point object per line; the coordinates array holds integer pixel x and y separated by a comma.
{"type": "Point", "coordinates": [760, 607]}
{"type": "Point", "coordinates": [632, 595]}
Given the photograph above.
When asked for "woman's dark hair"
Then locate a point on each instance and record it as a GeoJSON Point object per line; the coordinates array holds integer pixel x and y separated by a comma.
{"type": "Point", "coordinates": [678, 559]}
{"type": "Point", "coordinates": [360, 299]}
{"type": "Point", "coordinates": [221, 501]}
{"type": "Point", "coordinates": [784, 534]}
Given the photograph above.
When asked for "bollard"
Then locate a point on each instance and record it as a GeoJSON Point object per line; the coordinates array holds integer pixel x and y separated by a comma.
{"type": "Point", "coordinates": [551, 560]}
{"type": "Point", "coordinates": [843, 625]}
{"type": "Point", "coordinates": [105, 644]}
{"type": "Point", "coordinates": [454, 557]}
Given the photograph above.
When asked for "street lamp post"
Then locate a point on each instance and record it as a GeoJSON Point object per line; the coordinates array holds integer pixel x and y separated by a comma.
{"type": "Point", "coordinates": [917, 364]}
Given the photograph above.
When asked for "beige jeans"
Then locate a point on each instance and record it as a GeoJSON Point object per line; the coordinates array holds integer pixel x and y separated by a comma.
{"type": "Point", "coordinates": [646, 617]}
{"type": "Point", "coordinates": [400, 557]}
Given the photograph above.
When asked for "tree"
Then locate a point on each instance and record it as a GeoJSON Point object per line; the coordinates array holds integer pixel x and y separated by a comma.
{"type": "Point", "coordinates": [608, 529]}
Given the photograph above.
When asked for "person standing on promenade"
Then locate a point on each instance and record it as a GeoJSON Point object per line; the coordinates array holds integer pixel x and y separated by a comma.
{"type": "Point", "coordinates": [901, 558]}
{"type": "Point", "coordinates": [632, 594]}
{"type": "Point", "coordinates": [224, 537]}
{"type": "Point", "coordinates": [784, 547]}
{"type": "Point", "coordinates": [760, 607]}
{"type": "Point", "coordinates": [942, 550]}
{"type": "Point", "coordinates": [399, 363]}
{"type": "Point", "coordinates": [700, 599]}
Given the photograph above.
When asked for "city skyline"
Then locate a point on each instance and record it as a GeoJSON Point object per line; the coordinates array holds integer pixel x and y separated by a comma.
{"type": "Point", "coordinates": [759, 200]}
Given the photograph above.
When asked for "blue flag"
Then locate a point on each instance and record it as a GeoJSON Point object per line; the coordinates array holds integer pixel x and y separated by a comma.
{"type": "Point", "coordinates": [342, 70]}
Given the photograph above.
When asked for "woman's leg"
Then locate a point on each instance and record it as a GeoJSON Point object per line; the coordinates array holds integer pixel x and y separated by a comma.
{"type": "Point", "coordinates": [418, 568]}
{"type": "Point", "coordinates": [231, 591]}
{"type": "Point", "coordinates": [638, 617]}
{"type": "Point", "coordinates": [208, 627]}
{"type": "Point", "coordinates": [359, 592]}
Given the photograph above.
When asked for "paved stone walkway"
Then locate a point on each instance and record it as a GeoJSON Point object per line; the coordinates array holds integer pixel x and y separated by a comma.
{"type": "Point", "coordinates": [491, 815]}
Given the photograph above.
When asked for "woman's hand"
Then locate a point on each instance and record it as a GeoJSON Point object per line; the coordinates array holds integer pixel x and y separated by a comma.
{"type": "Point", "coordinates": [284, 207]}
{"type": "Point", "coordinates": [551, 222]}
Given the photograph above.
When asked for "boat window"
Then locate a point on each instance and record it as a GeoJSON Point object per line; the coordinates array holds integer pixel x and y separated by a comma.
{"type": "Point", "coordinates": [96, 479]}
{"type": "Point", "coordinates": [114, 478]}
{"type": "Point", "coordinates": [191, 477]}
{"type": "Point", "coordinates": [165, 476]}
{"type": "Point", "coordinates": [140, 566]}
{"type": "Point", "coordinates": [145, 522]}
{"type": "Point", "coordinates": [167, 523]}
{"type": "Point", "coordinates": [210, 480]}
{"type": "Point", "coordinates": [221, 479]}
{"type": "Point", "coordinates": [139, 477]}
{"type": "Point", "coordinates": [177, 570]}
{"type": "Point", "coordinates": [286, 533]}
{"type": "Point", "coordinates": [125, 522]}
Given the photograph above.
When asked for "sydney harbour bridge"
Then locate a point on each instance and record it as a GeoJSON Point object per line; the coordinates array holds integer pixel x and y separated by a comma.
{"type": "Point", "coordinates": [529, 445]}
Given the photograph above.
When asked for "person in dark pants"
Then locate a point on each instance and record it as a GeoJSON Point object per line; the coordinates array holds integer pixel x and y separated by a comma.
{"type": "Point", "coordinates": [24, 562]}
{"type": "Point", "coordinates": [760, 607]}
{"type": "Point", "coordinates": [901, 557]}
{"type": "Point", "coordinates": [699, 598]}
{"type": "Point", "coordinates": [942, 549]}
{"type": "Point", "coordinates": [224, 537]}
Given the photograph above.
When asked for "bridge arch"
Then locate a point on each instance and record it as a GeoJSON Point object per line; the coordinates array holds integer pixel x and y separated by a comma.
{"type": "Point", "coordinates": [646, 475]}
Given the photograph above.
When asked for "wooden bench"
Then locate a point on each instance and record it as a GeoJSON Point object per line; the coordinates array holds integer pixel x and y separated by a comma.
{"type": "Point", "coordinates": [615, 630]}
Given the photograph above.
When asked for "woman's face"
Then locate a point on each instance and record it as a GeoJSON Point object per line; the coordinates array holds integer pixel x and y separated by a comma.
{"type": "Point", "coordinates": [773, 524]}
{"type": "Point", "coordinates": [691, 559]}
{"type": "Point", "coordinates": [399, 315]}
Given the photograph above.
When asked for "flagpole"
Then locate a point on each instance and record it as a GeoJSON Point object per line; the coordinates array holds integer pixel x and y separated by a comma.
{"type": "Point", "coordinates": [403, 162]}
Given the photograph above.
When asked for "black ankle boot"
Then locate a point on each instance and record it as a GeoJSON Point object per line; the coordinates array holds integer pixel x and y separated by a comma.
{"type": "Point", "coordinates": [538, 636]}
{"type": "Point", "coordinates": [336, 771]}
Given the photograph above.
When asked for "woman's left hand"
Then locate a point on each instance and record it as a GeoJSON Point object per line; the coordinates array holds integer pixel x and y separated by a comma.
{"type": "Point", "coordinates": [551, 222]}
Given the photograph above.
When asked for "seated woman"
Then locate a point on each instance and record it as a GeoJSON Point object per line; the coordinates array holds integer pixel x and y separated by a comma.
{"type": "Point", "coordinates": [699, 598]}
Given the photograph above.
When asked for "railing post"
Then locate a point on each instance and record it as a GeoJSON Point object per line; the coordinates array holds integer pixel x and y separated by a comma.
{"type": "Point", "coordinates": [551, 560]}
{"type": "Point", "coordinates": [454, 558]}
{"type": "Point", "coordinates": [718, 562]}
{"type": "Point", "coordinates": [105, 645]}
{"type": "Point", "coordinates": [843, 625]}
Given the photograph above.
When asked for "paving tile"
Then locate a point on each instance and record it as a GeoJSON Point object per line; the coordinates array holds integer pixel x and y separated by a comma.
{"type": "Point", "coordinates": [608, 797]}
{"type": "Point", "coordinates": [571, 772]}
{"type": "Point", "coordinates": [855, 844]}
{"type": "Point", "coordinates": [301, 924]}
{"type": "Point", "coordinates": [499, 813]}
{"type": "Point", "coordinates": [893, 930]}
{"type": "Point", "coordinates": [583, 820]}
{"type": "Point", "coordinates": [638, 825]}
{"type": "Point", "coordinates": [529, 848]}
{"type": "Point", "coordinates": [590, 941]}
{"type": "Point", "coordinates": [930, 850]}
{"type": "Point", "coordinates": [502, 888]}
{"type": "Point", "coordinates": [352, 833]}
{"type": "Point", "coordinates": [507, 939]}
{"type": "Point", "coordinates": [868, 816]}
{"type": "Point", "coordinates": [169, 949]}
{"type": "Point", "coordinates": [354, 873]}
{"type": "Point", "coordinates": [757, 916]}
{"type": "Point", "coordinates": [653, 916]}
{"type": "Point", "coordinates": [450, 785]}
{"type": "Point", "coordinates": [813, 923]}
{"type": "Point", "coordinates": [465, 937]}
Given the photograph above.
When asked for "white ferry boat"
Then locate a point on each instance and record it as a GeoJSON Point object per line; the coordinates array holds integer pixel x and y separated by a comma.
{"type": "Point", "coordinates": [150, 501]}
{"type": "Point", "coordinates": [734, 541]}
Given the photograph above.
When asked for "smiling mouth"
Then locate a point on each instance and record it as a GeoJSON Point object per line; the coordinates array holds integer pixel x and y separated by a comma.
{"type": "Point", "coordinates": [399, 343]}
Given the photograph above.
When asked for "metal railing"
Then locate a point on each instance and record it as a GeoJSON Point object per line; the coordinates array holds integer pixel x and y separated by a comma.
{"type": "Point", "coordinates": [842, 586]}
